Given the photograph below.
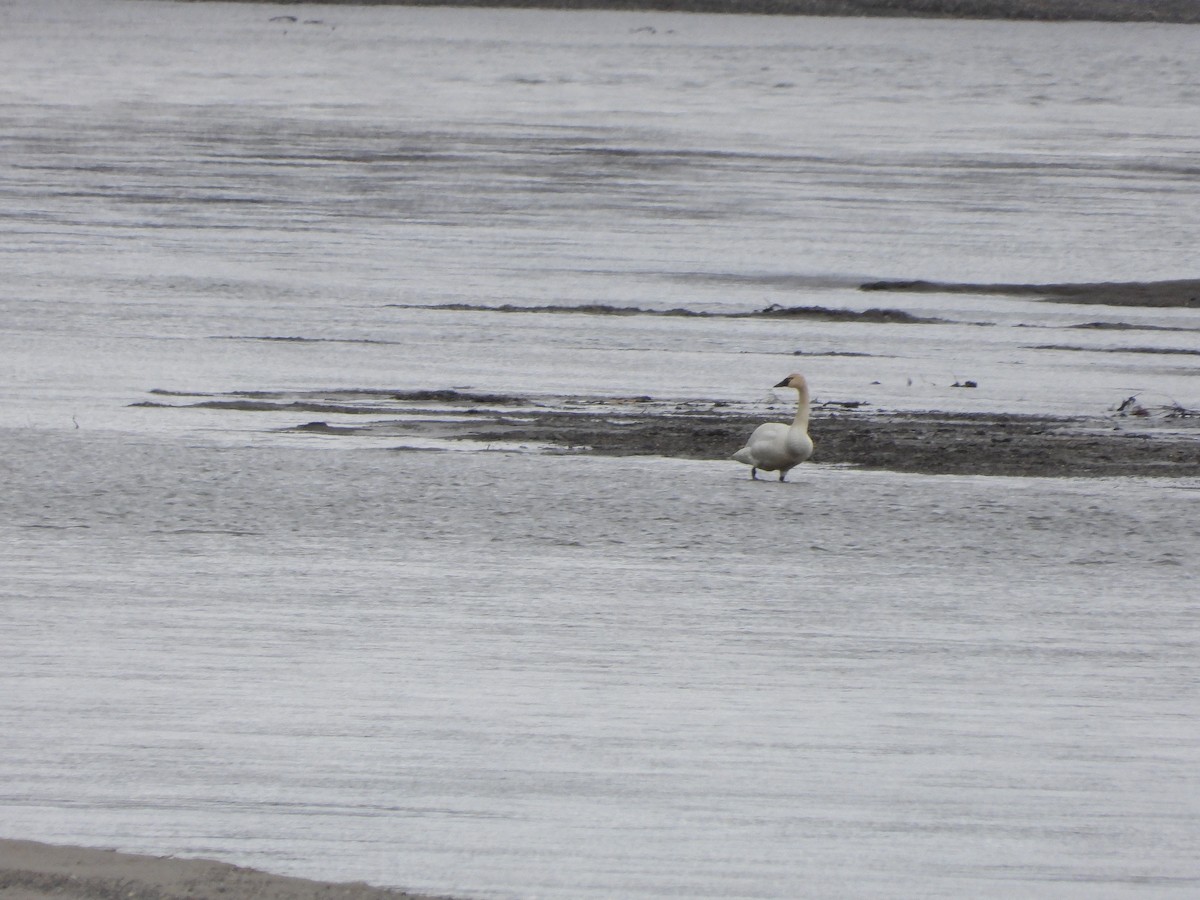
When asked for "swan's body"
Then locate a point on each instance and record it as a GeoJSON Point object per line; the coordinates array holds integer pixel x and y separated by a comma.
{"type": "Point", "coordinates": [775, 447]}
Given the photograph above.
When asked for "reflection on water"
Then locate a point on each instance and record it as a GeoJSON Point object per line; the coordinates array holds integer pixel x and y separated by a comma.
{"type": "Point", "coordinates": [514, 674]}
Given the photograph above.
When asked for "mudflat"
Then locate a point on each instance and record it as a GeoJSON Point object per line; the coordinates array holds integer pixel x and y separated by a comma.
{"type": "Point", "coordinates": [935, 443]}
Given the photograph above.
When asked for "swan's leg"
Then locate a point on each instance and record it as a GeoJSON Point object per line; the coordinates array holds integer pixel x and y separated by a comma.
{"type": "Point", "coordinates": [783, 474]}
{"type": "Point", "coordinates": [754, 473]}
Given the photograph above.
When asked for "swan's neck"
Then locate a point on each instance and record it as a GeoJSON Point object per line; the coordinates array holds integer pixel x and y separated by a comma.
{"type": "Point", "coordinates": [801, 420]}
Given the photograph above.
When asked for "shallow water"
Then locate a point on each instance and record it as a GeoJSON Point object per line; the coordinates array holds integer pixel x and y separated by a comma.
{"type": "Point", "coordinates": [497, 672]}
{"type": "Point", "coordinates": [512, 675]}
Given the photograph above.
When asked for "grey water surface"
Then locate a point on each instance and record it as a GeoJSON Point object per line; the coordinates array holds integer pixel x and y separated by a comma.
{"type": "Point", "coordinates": [495, 671]}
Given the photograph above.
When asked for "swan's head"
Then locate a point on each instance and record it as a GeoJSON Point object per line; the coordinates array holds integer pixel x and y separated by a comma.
{"type": "Point", "coordinates": [795, 380]}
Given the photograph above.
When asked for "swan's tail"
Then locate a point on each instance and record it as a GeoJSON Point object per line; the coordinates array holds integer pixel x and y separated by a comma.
{"type": "Point", "coordinates": [743, 456]}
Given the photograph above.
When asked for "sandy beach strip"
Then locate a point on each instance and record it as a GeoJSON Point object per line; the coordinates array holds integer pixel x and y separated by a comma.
{"type": "Point", "coordinates": [35, 871]}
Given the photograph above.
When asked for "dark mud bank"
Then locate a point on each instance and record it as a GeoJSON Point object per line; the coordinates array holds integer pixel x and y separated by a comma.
{"type": "Point", "coordinates": [1133, 440]}
{"type": "Point", "coordinates": [1036, 10]}
{"type": "Point", "coordinates": [1177, 294]}
{"type": "Point", "coordinates": [930, 443]}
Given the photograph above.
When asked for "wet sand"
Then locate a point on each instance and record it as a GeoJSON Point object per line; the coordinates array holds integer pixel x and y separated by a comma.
{"type": "Point", "coordinates": [33, 871]}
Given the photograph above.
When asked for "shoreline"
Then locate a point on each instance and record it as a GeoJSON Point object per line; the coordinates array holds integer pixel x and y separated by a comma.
{"type": "Point", "coordinates": [1149, 11]}
{"type": "Point", "coordinates": [30, 870]}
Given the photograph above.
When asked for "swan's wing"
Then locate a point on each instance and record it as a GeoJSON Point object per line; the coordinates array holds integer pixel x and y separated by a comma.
{"type": "Point", "coordinates": [800, 446]}
{"type": "Point", "coordinates": [766, 448]}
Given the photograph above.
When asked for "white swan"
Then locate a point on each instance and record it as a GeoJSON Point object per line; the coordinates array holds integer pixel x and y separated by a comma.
{"type": "Point", "coordinates": [778, 447]}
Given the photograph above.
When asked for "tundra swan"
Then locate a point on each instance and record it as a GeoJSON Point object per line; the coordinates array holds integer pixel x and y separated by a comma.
{"type": "Point", "coordinates": [778, 447]}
